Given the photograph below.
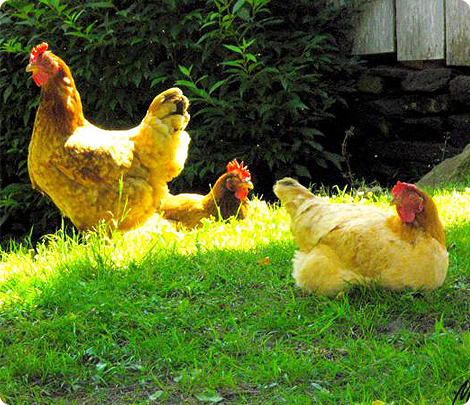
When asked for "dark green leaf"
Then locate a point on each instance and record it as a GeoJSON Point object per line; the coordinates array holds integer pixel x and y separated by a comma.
{"type": "Point", "coordinates": [99, 4]}
{"type": "Point", "coordinates": [237, 63]}
{"type": "Point", "coordinates": [137, 78]}
{"type": "Point", "coordinates": [185, 83]}
{"type": "Point", "coordinates": [185, 71]}
{"type": "Point", "coordinates": [237, 6]}
{"type": "Point", "coordinates": [251, 57]}
{"type": "Point", "coordinates": [217, 85]}
{"type": "Point", "coordinates": [6, 93]}
{"type": "Point", "coordinates": [301, 171]}
{"type": "Point", "coordinates": [234, 48]}
{"type": "Point", "coordinates": [157, 80]}
{"type": "Point", "coordinates": [244, 14]}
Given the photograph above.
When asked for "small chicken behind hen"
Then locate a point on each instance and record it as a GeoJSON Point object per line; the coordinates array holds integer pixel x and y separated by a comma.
{"type": "Point", "coordinates": [228, 198]}
{"type": "Point", "coordinates": [96, 175]}
{"type": "Point", "coordinates": [346, 244]}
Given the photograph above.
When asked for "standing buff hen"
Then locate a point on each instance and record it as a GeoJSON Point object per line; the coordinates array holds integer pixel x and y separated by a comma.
{"type": "Point", "coordinates": [92, 174]}
{"type": "Point", "coordinates": [346, 244]}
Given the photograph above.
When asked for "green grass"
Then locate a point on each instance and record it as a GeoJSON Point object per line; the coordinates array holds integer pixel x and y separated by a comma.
{"type": "Point", "coordinates": [210, 316]}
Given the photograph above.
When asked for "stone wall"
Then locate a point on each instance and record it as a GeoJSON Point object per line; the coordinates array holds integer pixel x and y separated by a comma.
{"type": "Point", "coordinates": [406, 120]}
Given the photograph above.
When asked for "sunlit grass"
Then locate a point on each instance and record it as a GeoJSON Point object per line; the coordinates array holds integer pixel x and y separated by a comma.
{"type": "Point", "coordinates": [212, 315]}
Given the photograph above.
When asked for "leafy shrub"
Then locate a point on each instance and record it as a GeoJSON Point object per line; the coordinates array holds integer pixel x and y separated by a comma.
{"type": "Point", "coordinates": [263, 77]}
{"type": "Point", "coordinates": [278, 73]}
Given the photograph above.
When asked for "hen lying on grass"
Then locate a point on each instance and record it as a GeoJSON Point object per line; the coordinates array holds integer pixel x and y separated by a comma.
{"type": "Point", "coordinates": [346, 244]}
{"type": "Point", "coordinates": [228, 196]}
{"type": "Point", "coordinates": [92, 174]}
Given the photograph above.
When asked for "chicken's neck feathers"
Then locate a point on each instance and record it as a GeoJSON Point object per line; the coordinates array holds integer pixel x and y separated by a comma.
{"type": "Point", "coordinates": [61, 103]}
{"type": "Point", "coordinates": [429, 221]}
{"type": "Point", "coordinates": [220, 198]}
{"type": "Point", "coordinates": [212, 200]}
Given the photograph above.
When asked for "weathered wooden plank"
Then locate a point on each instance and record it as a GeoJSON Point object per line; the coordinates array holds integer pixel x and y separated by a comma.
{"type": "Point", "coordinates": [375, 30]}
{"type": "Point", "coordinates": [457, 33]}
{"type": "Point", "coordinates": [420, 29]}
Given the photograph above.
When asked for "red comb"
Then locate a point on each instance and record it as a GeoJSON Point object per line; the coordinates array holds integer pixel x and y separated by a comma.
{"type": "Point", "coordinates": [38, 50]}
{"type": "Point", "coordinates": [234, 166]}
{"type": "Point", "coordinates": [399, 187]}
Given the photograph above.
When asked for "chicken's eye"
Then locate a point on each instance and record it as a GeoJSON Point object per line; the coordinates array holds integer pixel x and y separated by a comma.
{"type": "Point", "coordinates": [229, 184]}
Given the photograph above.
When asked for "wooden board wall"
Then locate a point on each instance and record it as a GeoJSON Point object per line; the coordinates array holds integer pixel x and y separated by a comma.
{"type": "Point", "coordinates": [375, 31]}
{"type": "Point", "coordinates": [414, 29]}
{"type": "Point", "coordinates": [420, 29]}
{"type": "Point", "coordinates": [457, 33]}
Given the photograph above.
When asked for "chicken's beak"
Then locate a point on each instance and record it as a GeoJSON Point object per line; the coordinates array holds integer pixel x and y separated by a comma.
{"type": "Point", "coordinates": [30, 68]}
{"type": "Point", "coordinates": [247, 184]}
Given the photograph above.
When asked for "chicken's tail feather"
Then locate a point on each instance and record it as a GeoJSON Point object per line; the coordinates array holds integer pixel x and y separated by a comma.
{"type": "Point", "coordinates": [287, 182]}
{"type": "Point", "coordinates": [175, 96]}
{"type": "Point", "coordinates": [291, 192]}
{"type": "Point", "coordinates": [161, 140]}
{"type": "Point", "coordinates": [171, 107]}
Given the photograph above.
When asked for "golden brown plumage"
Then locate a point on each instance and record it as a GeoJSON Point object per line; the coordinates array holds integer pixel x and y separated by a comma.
{"type": "Point", "coordinates": [92, 174]}
{"type": "Point", "coordinates": [346, 244]}
{"type": "Point", "coordinates": [228, 196]}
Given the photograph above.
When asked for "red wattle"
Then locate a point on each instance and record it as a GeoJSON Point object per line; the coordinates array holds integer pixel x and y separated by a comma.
{"type": "Point", "coordinates": [40, 77]}
{"type": "Point", "coordinates": [242, 193]}
{"type": "Point", "coordinates": [406, 215]}
{"type": "Point", "coordinates": [36, 79]}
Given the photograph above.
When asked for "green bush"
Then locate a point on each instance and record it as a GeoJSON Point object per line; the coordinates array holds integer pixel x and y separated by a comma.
{"type": "Point", "coordinates": [263, 78]}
